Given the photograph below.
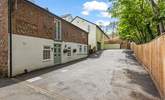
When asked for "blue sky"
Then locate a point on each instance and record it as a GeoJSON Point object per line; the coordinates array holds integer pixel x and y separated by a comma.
{"type": "Point", "coordinates": [92, 10]}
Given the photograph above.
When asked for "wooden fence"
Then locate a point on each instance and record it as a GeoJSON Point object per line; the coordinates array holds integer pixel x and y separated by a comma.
{"type": "Point", "coordinates": [152, 56]}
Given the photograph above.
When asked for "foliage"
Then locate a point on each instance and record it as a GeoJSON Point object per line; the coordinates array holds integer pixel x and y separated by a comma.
{"type": "Point", "coordinates": [138, 21]}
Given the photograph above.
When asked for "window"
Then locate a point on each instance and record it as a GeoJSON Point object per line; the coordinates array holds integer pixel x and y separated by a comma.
{"type": "Point", "coordinates": [69, 51]}
{"type": "Point", "coordinates": [46, 53]}
{"type": "Point", "coordinates": [58, 30]}
{"type": "Point", "coordinates": [80, 48]}
{"type": "Point", "coordinates": [85, 48]}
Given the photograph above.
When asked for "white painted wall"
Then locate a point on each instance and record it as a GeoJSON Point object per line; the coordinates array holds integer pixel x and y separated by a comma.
{"type": "Point", "coordinates": [74, 56]}
{"type": "Point", "coordinates": [92, 32]}
{"type": "Point", "coordinates": [112, 46]}
{"type": "Point", "coordinates": [28, 53]}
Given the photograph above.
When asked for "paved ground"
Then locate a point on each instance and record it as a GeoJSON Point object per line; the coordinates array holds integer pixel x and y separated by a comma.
{"type": "Point", "coordinates": [107, 75]}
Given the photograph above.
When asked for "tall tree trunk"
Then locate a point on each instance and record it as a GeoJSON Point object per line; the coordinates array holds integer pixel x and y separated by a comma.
{"type": "Point", "coordinates": [162, 29]}
{"type": "Point", "coordinates": [158, 30]}
{"type": "Point", "coordinates": [157, 13]}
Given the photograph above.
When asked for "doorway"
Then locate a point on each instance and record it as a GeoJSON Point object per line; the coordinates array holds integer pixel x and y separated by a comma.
{"type": "Point", "coordinates": [57, 54]}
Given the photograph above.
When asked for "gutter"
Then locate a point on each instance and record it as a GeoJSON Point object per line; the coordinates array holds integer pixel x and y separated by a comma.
{"type": "Point", "coordinates": [10, 36]}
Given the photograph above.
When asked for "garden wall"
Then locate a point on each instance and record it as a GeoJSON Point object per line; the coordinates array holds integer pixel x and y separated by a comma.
{"type": "Point", "coordinates": [152, 56]}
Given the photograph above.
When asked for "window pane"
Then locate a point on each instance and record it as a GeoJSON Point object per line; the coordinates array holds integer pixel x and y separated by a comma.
{"type": "Point", "coordinates": [46, 53]}
{"type": "Point", "coordinates": [80, 48]}
{"type": "Point", "coordinates": [59, 30]}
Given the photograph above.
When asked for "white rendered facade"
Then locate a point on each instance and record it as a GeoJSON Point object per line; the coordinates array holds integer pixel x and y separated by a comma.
{"type": "Point", "coordinates": [27, 53]}
{"type": "Point", "coordinates": [89, 27]}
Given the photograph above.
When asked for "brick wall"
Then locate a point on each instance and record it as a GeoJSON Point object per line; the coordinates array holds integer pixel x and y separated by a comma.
{"type": "Point", "coordinates": [71, 33]}
{"type": "Point", "coordinates": [3, 37]}
{"type": "Point", "coordinates": [30, 20]}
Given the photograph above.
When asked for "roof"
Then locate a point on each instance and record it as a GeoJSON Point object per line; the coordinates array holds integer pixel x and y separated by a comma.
{"type": "Point", "coordinates": [91, 23]}
{"type": "Point", "coordinates": [114, 40]}
{"type": "Point", "coordinates": [43, 9]}
{"type": "Point", "coordinates": [66, 15]}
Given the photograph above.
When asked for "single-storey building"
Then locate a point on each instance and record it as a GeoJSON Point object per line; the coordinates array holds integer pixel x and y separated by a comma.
{"type": "Point", "coordinates": [32, 37]}
{"type": "Point", "coordinates": [96, 35]}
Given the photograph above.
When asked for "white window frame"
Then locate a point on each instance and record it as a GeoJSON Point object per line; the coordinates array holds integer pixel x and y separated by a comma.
{"type": "Point", "coordinates": [58, 31]}
{"type": "Point", "coordinates": [69, 51]}
{"type": "Point", "coordinates": [80, 48]}
{"type": "Point", "coordinates": [46, 49]}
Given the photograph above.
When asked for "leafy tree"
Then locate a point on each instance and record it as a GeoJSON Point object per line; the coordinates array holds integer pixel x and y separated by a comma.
{"type": "Point", "coordinates": [139, 20]}
{"type": "Point", "coordinates": [157, 6]}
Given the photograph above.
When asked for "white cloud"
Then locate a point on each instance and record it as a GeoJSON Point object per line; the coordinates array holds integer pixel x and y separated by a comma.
{"type": "Point", "coordinates": [105, 14]}
{"type": "Point", "coordinates": [85, 13]}
{"type": "Point", "coordinates": [94, 6]}
{"type": "Point", "coordinates": [102, 22]}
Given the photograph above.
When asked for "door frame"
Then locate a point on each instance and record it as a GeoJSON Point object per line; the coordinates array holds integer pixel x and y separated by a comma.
{"type": "Point", "coordinates": [60, 61]}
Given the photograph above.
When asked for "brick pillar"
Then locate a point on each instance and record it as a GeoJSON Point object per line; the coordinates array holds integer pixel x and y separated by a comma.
{"type": "Point", "coordinates": [3, 38]}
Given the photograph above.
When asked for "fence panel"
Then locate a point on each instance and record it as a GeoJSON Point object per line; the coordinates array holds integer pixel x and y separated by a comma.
{"type": "Point", "coordinates": [152, 56]}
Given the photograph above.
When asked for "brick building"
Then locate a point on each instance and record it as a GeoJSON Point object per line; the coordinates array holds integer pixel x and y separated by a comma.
{"type": "Point", "coordinates": [3, 37]}
{"type": "Point", "coordinates": [39, 39]}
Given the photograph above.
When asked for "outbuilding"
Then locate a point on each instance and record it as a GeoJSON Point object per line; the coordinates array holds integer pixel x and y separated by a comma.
{"type": "Point", "coordinates": [96, 35]}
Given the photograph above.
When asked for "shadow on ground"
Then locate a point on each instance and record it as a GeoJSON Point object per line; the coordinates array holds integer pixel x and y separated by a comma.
{"type": "Point", "coordinates": [140, 78]}
{"type": "Point", "coordinates": [131, 59]}
{"type": "Point", "coordinates": [143, 80]}
{"type": "Point", "coordinates": [96, 55]}
{"type": "Point", "coordinates": [6, 82]}
{"type": "Point", "coordinates": [36, 73]}
{"type": "Point", "coordinates": [10, 81]}
{"type": "Point", "coordinates": [130, 55]}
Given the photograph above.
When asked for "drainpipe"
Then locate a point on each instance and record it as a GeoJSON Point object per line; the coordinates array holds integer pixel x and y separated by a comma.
{"type": "Point", "coordinates": [10, 35]}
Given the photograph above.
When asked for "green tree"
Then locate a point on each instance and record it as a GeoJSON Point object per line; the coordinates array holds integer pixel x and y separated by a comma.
{"type": "Point", "coordinates": [138, 20]}
{"type": "Point", "coordinates": [158, 6]}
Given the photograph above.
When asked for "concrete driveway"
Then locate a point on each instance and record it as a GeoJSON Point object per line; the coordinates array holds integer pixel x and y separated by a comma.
{"type": "Point", "coordinates": [107, 75]}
